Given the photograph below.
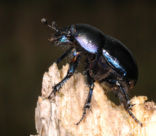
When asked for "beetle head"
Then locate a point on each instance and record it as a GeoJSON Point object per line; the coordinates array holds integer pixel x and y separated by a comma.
{"type": "Point", "coordinates": [60, 35]}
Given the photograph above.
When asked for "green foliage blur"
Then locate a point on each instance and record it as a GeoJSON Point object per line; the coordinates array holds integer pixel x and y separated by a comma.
{"type": "Point", "coordinates": [25, 53]}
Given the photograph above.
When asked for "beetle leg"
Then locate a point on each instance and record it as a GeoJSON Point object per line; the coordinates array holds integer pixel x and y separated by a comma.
{"type": "Point", "coordinates": [71, 70]}
{"type": "Point", "coordinates": [123, 96]}
{"type": "Point", "coordinates": [123, 91]}
{"type": "Point", "coordinates": [64, 55]}
{"type": "Point", "coordinates": [88, 100]}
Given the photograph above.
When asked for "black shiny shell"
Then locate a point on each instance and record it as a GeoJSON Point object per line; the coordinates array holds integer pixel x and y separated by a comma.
{"type": "Point", "coordinates": [116, 49]}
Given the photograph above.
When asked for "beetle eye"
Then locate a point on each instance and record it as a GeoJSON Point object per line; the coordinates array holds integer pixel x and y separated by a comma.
{"type": "Point", "coordinates": [63, 39]}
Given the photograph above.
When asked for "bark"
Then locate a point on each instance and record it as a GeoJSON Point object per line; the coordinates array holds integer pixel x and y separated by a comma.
{"type": "Point", "coordinates": [58, 116]}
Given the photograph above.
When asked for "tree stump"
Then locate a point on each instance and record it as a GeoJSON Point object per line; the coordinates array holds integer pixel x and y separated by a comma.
{"type": "Point", "coordinates": [58, 116]}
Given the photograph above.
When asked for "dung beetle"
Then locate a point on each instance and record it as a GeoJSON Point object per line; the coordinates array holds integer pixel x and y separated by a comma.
{"type": "Point", "coordinates": [107, 60]}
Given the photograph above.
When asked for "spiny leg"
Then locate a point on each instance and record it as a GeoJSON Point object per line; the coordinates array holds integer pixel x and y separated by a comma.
{"type": "Point", "coordinates": [64, 55]}
{"type": "Point", "coordinates": [126, 101]}
{"type": "Point", "coordinates": [72, 66]}
{"type": "Point", "coordinates": [88, 100]}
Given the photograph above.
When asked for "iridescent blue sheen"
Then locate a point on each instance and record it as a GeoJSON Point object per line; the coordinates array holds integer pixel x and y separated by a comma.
{"type": "Point", "coordinates": [74, 53]}
{"type": "Point", "coordinates": [63, 39]}
{"type": "Point", "coordinates": [86, 44]}
{"type": "Point", "coordinates": [113, 61]}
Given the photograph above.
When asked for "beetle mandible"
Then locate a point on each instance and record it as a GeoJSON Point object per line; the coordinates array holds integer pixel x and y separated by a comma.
{"type": "Point", "coordinates": [107, 61]}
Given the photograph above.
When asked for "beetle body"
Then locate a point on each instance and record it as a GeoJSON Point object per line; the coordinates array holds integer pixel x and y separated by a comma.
{"type": "Point", "coordinates": [107, 60]}
{"type": "Point", "coordinates": [115, 53]}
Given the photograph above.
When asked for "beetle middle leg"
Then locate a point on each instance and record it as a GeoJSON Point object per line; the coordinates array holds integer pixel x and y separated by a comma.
{"type": "Point", "coordinates": [89, 97]}
{"type": "Point", "coordinates": [124, 98]}
{"type": "Point", "coordinates": [72, 66]}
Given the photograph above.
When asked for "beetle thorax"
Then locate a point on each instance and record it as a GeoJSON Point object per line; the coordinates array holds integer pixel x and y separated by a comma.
{"type": "Point", "coordinates": [86, 43]}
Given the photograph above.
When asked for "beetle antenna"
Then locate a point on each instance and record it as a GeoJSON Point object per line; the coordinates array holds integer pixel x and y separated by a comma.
{"type": "Point", "coordinates": [53, 25]}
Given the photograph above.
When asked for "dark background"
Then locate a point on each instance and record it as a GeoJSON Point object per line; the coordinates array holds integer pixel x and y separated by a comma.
{"type": "Point", "coordinates": [25, 53]}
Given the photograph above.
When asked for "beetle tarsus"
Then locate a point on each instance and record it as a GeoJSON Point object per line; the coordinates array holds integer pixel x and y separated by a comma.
{"type": "Point", "coordinates": [83, 115]}
{"type": "Point", "coordinates": [136, 120]}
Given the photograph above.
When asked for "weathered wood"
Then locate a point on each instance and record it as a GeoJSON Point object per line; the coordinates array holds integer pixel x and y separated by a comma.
{"type": "Point", "coordinates": [58, 116]}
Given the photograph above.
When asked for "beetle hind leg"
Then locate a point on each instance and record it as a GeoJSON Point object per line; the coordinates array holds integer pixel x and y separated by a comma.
{"type": "Point", "coordinates": [124, 98]}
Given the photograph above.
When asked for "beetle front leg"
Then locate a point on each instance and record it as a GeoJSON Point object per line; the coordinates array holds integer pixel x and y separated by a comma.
{"type": "Point", "coordinates": [72, 66]}
{"type": "Point", "coordinates": [88, 100]}
{"type": "Point", "coordinates": [64, 55]}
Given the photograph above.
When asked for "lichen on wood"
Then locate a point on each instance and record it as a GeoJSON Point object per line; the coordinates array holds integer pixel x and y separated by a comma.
{"type": "Point", "coordinates": [58, 116]}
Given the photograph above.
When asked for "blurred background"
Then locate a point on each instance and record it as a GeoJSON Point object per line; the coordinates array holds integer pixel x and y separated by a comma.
{"type": "Point", "coordinates": [25, 53]}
